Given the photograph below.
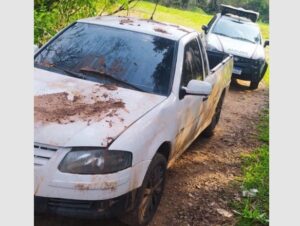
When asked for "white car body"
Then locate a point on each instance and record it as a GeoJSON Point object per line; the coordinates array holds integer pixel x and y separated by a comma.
{"type": "Point", "coordinates": [145, 123]}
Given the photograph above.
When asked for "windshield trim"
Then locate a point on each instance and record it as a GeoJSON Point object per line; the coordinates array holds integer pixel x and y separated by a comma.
{"type": "Point", "coordinates": [224, 17]}
{"type": "Point", "coordinates": [53, 39]}
{"type": "Point", "coordinates": [173, 66]}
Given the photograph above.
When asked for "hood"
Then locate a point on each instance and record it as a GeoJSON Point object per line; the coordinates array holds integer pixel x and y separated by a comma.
{"type": "Point", "coordinates": [72, 112]}
{"type": "Point", "coordinates": [235, 47]}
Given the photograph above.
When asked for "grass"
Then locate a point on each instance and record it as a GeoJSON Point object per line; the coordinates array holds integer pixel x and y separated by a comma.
{"type": "Point", "coordinates": [266, 78]}
{"type": "Point", "coordinates": [255, 210]}
{"type": "Point", "coordinates": [193, 19]}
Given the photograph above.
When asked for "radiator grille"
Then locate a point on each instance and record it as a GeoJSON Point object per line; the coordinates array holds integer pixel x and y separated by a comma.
{"type": "Point", "coordinates": [72, 204]}
{"type": "Point", "coordinates": [42, 154]}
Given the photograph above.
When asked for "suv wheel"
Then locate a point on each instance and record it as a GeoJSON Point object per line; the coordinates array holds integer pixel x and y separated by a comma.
{"type": "Point", "coordinates": [149, 195]}
{"type": "Point", "coordinates": [253, 85]}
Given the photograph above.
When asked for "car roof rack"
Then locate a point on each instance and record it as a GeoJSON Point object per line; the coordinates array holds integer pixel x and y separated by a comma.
{"type": "Point", "coordinates": [241, 12]}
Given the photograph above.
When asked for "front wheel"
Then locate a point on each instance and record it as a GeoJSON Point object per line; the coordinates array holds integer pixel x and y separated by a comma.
{"type": "Point", "coordinates": [253, 85]}
{"type": "Point", "coordinates": [149, 195]}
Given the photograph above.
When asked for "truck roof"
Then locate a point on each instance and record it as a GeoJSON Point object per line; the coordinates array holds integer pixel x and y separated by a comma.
{"type": "Point", "coordinates": [161, 29]}
{"type": "Point", "coordinates": [240, 19]}
{"type": "Point", "coordinates": [241, 12]}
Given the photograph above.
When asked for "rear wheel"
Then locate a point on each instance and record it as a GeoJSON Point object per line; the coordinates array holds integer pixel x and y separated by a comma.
{"type": "Point", "coordinates": [149, 195]}
{"type": "Point", "coordinates": [209, 131]}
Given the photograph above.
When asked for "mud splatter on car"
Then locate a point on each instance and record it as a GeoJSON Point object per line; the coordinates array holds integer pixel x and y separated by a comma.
{"type": "Point", "coordinates": [60, 108]}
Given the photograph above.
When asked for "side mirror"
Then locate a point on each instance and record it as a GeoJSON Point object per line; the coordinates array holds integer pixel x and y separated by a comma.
{"type": "Point", "coordinates": [205, 28]}
{"type": "Point", "coordinates": [267, 42]}
{"type": "Point", "coordinates": [198, 88]}
{"type": "Point", "coordinates": [35, 48]}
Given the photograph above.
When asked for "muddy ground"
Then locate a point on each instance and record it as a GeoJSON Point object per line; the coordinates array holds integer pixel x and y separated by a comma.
{"type": "Point", "coordinates": [201, 183]}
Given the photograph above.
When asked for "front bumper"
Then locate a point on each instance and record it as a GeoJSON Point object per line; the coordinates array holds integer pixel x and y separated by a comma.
{"type": "Point", "coordinates": [80, 195]}
{"type": "Point", "coordinates": [51, 183]}
{"type": "Point", "coordinates": [85, 208]}
{"type": "Point", "coordinates": [251, 69]}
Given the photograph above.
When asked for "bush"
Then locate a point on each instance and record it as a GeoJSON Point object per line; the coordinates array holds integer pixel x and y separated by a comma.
{"type": "Point", "coordinates": [50, 18]}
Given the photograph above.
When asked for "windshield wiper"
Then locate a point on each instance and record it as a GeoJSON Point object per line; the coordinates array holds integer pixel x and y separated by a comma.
{"type": "Point", "coordinates": [72, 73]}
{"type": "Point", "coordinates": [66, 71]}
{"type": "Point", "coordinates": [244, 39]}
{"type": "Point", "coordinates": [222, 34]}
{"type": "Point", "coordinates": [90, 70]}
{"type": "Point", "coordinates": [240, 38]}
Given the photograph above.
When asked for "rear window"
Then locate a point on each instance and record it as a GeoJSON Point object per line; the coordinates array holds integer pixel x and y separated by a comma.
{"type": "Point", "coordinates": [110, 55]}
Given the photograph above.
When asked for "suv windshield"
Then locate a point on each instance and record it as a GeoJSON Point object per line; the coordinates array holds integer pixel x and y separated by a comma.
{"type": "Point", "coordinates": [236, 29]}
{"type": "Point", "coordinates": [109, 55]}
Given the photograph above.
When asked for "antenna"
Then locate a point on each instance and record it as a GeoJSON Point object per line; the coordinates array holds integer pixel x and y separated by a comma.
{"type": "Point", "coordinates": [151, 18]}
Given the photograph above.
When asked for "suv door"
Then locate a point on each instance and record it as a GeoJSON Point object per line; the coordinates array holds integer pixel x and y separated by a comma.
{"type": "Point", "coordinates": [189, 107]}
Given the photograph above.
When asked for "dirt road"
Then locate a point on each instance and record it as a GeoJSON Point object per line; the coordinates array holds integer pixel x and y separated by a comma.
{"type": "Point", "coordinates": [200, 184]}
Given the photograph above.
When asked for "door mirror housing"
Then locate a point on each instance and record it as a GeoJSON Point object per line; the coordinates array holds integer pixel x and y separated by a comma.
{"type": "Point", "coordinates": [35, 48]}
{"type": "Point", "coordinates": [205, 28]}
{"type": "Point", "coordinates": [267, 42]}
{"type": "Point", "coordinates": [198, 88]}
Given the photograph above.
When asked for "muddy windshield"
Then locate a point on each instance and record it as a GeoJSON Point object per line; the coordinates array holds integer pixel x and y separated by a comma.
{"type": "Point", "coordinates": [237, 30]}
{"type": "Point", "coordinates": [109, 55]}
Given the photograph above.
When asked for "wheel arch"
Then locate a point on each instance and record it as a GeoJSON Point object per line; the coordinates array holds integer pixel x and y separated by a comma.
{"type": "Point", "coordinates": [165, 149]}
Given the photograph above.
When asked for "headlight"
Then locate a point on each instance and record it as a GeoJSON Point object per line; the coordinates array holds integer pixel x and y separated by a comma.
{"type": "Point", "coordinates": [95, 161]}
{"type": "Point", "coordinates": [259, 61]}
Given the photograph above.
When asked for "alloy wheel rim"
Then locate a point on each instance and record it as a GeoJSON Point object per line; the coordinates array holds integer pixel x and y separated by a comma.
{"type": "Point", "coordinates": [152, 193]}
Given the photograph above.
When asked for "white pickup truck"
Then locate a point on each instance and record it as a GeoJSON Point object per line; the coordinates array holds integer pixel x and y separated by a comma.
{"type": "Point", "coordinates": [117, 100]}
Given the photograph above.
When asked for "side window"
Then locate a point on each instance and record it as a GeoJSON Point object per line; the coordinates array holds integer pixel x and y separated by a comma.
{"type": "Point", "coordinates": [192, 63]}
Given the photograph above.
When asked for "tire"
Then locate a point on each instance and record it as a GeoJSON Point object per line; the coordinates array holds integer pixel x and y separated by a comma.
{"type": "Point", "coordinates": [149, 195]}
{"type": "Point", "coordinates": [253, 85]}
{"type": "Point", "coordinates": [209, 131]}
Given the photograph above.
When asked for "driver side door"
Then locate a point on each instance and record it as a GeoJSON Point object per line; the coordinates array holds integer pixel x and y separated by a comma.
{"type": "Point", "coordinates": [189, 107]}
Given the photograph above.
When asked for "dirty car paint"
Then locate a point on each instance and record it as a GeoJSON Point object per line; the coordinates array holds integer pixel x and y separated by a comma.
{"type": "Point", "coordinates": [91, 114]}
{"type": "Point", "coordinates": [85, 113]}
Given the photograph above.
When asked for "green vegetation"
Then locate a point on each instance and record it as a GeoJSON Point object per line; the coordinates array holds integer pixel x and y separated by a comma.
{"type": "Point", "coordinates": [50, 16]}
{"type": "Point", "coordinates": [267, 77]}
{"type": "Point", "coordinates": [255, 210]}
{"type": "Point", "coordinates": [193, 19]}
{"type": "Point", "coordinates": [212, 6]}
{"type": "Point", "coordinates": [49, 19]}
